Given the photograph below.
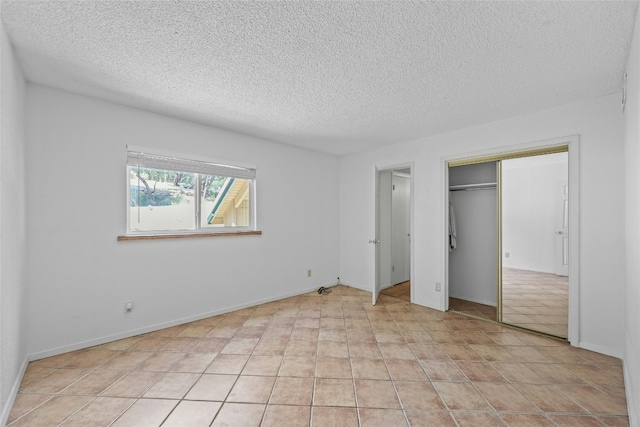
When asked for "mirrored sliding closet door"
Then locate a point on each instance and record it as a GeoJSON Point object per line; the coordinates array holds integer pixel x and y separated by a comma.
{"type": "Point", "coordinates": [509, 239]}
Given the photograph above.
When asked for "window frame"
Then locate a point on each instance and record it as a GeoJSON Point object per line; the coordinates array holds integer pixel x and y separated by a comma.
{"type": "Point", "coordinates": [198, 230]}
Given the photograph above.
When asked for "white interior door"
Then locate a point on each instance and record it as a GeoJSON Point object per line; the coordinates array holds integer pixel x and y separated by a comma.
{"type": "Point", "coordinates": [400, 228]}
{"type": "Point", "coordinates": [562, 234]}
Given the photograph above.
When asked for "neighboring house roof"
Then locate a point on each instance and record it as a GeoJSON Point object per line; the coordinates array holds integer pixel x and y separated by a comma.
{"type": "Point", "coordinates": [234, 191]}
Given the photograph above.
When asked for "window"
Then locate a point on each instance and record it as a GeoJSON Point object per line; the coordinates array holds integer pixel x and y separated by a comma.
{"type": "Point", "coordinates": [170, 195]}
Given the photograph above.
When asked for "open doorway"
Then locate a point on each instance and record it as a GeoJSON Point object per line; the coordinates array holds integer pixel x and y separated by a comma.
{"type": "Point", "coordinates": [393, 233]}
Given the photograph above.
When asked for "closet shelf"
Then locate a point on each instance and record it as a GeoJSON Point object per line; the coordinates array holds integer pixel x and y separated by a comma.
{"type": "Point", "coordinates": [481, 186]}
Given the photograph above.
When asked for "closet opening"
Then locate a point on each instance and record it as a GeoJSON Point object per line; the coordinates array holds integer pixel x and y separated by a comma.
{"type": "Point", "coordinates": [508, 248]}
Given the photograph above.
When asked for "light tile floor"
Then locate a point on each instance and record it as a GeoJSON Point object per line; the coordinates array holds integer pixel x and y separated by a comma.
{"type": "Point", "coordinates": [401, 290]}
{"type": "Point", "coordinates": [537, 301]}
{"type": "Point", "coordinates": [326, 360]}
{"type": "Point", "coordinates": [479, 310]}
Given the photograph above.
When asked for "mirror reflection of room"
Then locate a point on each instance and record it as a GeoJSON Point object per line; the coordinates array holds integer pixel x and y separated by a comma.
{"type": "Point", "coordinates": [535, 238]}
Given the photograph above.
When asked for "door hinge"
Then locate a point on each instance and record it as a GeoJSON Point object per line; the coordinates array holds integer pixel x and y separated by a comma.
{"type": "Point", "coordinates": [394, 186]}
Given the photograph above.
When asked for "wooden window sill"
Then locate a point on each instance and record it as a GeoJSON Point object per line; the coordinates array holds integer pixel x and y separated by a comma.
{"type": "Point", "coordinates": [189, 236]}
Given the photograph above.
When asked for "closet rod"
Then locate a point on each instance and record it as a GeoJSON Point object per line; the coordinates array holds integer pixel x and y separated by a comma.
{"type": "Point", "coordinates": [467, 187]}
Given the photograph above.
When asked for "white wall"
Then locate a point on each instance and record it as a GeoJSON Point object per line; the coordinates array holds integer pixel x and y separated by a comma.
{"type": "Point", "coordinates": [532, 199]}
{"type": "Point", "coordinates": [632, 230]}
{"type": "Point", "coordinates": [79, 275]}
{"type": "Point", "coordinates": [13, 329]}
{"type": "Point", "coordinates": [599, 124]}
{"type": "Point", "coordinates": [472, 264]}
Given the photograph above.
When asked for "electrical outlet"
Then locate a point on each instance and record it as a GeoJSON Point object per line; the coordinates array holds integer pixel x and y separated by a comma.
{"type": "Point", "coordinates": [128, 306]}
{"type": "Point", "coordinates": [308, 273]}
{"type": "Point", "coordinates": [506, 254]}
{"type": "Point", "coordinates": [438, 287]}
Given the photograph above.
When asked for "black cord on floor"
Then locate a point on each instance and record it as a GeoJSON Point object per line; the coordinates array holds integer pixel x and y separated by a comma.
{"type": "Point", "coordinates": [324, 290]}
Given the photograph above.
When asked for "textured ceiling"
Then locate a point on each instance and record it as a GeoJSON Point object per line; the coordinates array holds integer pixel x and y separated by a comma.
{"type": "Point", "coordinates": [332, 76]}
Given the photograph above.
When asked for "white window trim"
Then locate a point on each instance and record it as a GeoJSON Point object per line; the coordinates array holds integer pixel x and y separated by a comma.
{"type": "Point", "coordinates": [198, 230]}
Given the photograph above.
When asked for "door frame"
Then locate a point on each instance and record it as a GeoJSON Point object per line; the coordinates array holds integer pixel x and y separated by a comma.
{"type": "Point", "coordinates": [573, 144]}
{"type": "Point", "coordinates": [377, 170]}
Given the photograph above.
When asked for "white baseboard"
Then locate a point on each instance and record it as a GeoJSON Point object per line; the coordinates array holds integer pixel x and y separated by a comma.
{"type": "Point", "coordinates": [353, 285]}
{"type": "Point", "coordinates": [632, 405]}
{"type": "Point", "coordinates": [600, 349]}
{"type": "Point", "coordinates": [6, 410]}
{"type": "Point", "coordinates": [151, 328]}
